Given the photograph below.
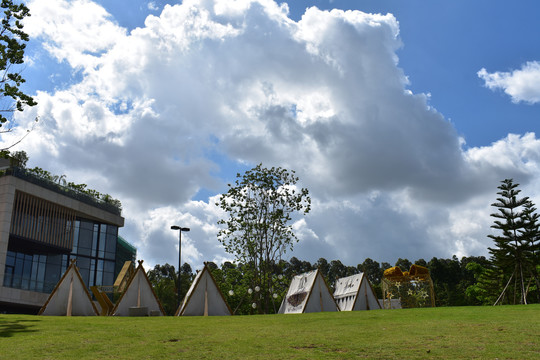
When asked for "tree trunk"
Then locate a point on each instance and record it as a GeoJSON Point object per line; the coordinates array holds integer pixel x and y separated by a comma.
{"type": "Point", "coordinates": [502, 293]}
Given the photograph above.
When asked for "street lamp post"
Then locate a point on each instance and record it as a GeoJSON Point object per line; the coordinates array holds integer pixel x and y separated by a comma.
{"type": "Point", "coordinates": [176, 227]}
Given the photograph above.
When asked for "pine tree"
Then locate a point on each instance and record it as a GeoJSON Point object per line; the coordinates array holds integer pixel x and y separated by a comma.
{"type": "Point", "coordinates": [513, 256]}
{"type": "Point", "coordinates": [531, 247]}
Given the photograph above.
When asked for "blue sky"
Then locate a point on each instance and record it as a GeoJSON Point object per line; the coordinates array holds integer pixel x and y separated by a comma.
{"type": "Point", "coordinates": [400, 124]}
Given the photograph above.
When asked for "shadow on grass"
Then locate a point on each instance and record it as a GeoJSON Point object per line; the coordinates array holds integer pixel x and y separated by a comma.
{"type": "Point", "coordinates": [9, 328]}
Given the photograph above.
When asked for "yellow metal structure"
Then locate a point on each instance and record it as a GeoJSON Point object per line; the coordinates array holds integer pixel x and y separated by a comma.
{"type": "Point", "coordinates": [414, 288]}
{"type": "Point", "coordinates": [128, 270]}
{"type": "Point", "coordinates": [100, 292]}
{"type": "Point", "coordinates": [103, 300]}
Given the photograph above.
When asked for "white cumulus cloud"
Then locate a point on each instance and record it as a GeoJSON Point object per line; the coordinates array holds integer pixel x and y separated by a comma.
{"type": "Point", "coordinates": [520, 85]}
{"type": "Point", "coordinates": [163, 117]}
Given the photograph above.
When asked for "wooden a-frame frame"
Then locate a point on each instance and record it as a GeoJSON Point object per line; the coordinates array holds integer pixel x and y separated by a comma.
{"type": "Point", "coordinates": [182, 308]}
{"type": "Point", "coordinates": [357, 293]}
{"type": "Point", "coordinates": [309, 292]}
{"type": "Point", "coordinates": [143, 272]}
{"type": "Point", "coordinates": [317, 274]}
{"type": "Point", "coordinates": [69, 308]}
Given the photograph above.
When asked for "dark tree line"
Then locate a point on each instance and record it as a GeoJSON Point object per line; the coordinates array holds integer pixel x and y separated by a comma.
{"type": "Point", "coordinates": [164, 280]}
{"type": "Point", "coordinates": [454, 280]}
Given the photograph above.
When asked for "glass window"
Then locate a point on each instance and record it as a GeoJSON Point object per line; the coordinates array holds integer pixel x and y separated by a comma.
{"type": "Point", "coordinates": [109, 266]}
{"type": "Point", "coordinates": [10, 258]}
{"type": "Point", "coordinates": [18, 270]}
{"type": "Point", "coordinates": [83, 264]}
{"type": "Point", "coordinates": [64, 263]}
{"type": "Point", "coordinates": [110, 248]}
{"type": "Point", "coordinates": [34, 272]}
{"type": "Point", "coordinates": [55, 259]}
{"type": "Point", "coordinates": [94, 248]}
{"type": "Point", "coordinates": [99, 273]}
{"type": "Point", "coordinates": [112, 230]}
{"type": "Point", "coordinates": [95, 234]}
{"type": "Point", "coordinates": [76, 236]}
{"type": "Point", "coordinates": [41, 274]}
{"type": "Point", "coordinates": [27, 272]}
{"type": "Point", "coordinates": [85, 242]}
{"type": "Point", "coordinates": [91, 281]}
{"type": "Point", "coordinates": [108, 278]}
{"type": "Point", "coordinates": [53, 271]}
{"type": "Point", "coordinates": [8, 276]}
{"type": "Point", "coordinates": [108, 272]}
{"type": "Point", "coordinates": [35, 268]}
{"type": "Point", "coordinates": [87, 225]}
{"type": "Point", "coordinates": [102, 240]}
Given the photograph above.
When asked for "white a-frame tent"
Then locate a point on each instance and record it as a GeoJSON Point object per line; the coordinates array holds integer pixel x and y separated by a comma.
{"type": "Point", "coordinates": [308, 292]}
{"type": "Point", "coordinates": [204, 297]}
{"type": "Point", "coordinates": [70, 297]}
{"type": "Point", "coordinates": [139, 298]}
{"type": "Point", "coordinates": [355, 293]}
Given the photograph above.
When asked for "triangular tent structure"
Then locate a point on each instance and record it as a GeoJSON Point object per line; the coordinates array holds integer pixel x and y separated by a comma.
{"type": "Point", "coordinates": [70, 297]}
{"type": "Point", "coordinates": [139, 298]}
{"type": "Point", "coordinates": [355, 293]}
{"type": "Point", "coordinates": [308, 292]}
{"type": "Point", "coordinates": [204, 297]}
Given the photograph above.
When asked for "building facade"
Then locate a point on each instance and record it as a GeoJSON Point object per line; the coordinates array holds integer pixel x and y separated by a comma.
{"type": "Point", "coordinates": [42, 227]}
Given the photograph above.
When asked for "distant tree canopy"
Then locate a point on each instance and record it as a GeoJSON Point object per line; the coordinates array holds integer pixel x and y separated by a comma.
{"type": "Point", "coordinates": [403, 264]}
{"type": "Point", "coordinates": [258, 230]}
{"type": "Point", "coordinates": [454, 280]}
{"type": "Point", "coordinates": [164, 279]}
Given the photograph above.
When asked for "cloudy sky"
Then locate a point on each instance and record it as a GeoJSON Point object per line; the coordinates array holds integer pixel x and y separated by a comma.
{"type": "Point", "coordinates": [400, 119]}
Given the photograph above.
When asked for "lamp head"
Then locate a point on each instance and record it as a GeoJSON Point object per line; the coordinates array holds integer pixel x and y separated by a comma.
{"type": "Point", "coordinates": [176, 227]}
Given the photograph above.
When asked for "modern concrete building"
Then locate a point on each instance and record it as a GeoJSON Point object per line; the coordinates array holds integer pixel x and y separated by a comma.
{"type": "Point", "coordinates": [42, 226]}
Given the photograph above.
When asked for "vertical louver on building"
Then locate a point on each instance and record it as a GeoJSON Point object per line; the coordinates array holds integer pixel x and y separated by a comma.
{"type": "Point", "coordinates": [42, 221]}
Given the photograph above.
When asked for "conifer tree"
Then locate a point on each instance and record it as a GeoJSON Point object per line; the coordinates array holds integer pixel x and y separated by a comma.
{"type": "Point", "coordinates": [531, 249]}
{"type": "Point", "coordinates": [513, 256]}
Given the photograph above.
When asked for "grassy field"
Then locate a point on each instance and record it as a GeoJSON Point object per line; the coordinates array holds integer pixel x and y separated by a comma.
{"type": "Point", "coordinates": [503, 332]}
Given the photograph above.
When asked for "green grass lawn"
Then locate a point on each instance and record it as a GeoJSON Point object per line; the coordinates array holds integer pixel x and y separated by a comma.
{"type": "Point", "coordinates": [502, 332]}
